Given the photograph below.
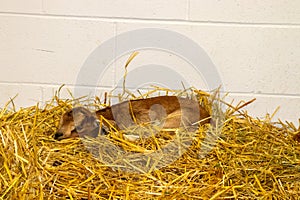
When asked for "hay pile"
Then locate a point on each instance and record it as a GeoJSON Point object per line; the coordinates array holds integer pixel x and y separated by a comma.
{"type": "Point", "coordinates": [252, 158]}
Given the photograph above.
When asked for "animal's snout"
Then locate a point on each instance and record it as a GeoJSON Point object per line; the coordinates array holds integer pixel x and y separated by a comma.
{"type": "Point", "coordinates": [58, 136]}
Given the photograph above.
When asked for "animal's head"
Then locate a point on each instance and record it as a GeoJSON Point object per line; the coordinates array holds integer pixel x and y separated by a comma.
{"type": "Point", "coordinates": [77, 122]}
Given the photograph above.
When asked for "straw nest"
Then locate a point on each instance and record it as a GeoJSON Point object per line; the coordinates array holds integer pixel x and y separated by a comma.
{"type": "Point", "coordinates": [238, 157]}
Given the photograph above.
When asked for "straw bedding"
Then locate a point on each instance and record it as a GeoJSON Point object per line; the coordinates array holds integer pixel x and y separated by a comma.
{"type": "Point", "coordinates": [245, 158]}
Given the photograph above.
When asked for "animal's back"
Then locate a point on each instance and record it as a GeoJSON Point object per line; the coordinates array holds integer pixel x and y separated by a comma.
{"type": "Point", "coordinates": [172, 110]}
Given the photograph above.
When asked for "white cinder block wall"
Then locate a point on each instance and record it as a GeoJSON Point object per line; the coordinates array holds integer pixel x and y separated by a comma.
{"type": "Point", "coordinates": [254, 45]}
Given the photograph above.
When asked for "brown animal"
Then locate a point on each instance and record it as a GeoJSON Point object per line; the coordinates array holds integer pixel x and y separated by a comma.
{"type": "Point", "coordinates": [168, 112]}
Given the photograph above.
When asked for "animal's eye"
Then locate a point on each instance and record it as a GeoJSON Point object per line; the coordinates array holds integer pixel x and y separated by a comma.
{"type": "Point", "coordinates": [70, 114]}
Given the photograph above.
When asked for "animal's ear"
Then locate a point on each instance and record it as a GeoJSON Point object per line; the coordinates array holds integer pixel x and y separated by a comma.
{"type": "Point", "coordinates": [80, 114]}
{"type": "Point", "coordinates": [96, 122]}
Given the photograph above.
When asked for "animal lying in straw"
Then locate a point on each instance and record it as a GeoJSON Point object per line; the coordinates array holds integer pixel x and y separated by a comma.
{"type": "Point", "coordinates": [167, 112]}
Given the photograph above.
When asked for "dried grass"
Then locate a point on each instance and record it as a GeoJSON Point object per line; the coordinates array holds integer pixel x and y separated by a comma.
{"type": "Point", "coordinates": [251, 158]}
